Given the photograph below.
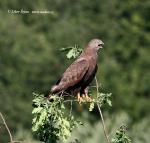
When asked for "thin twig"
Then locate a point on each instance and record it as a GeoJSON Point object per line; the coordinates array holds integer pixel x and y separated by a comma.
{"type": "Point", "coordinates": [10, 136]}
{"type": "Point", "coordinates": [95, 86]}
{"type": "Point", "coordinates": [101, 114]}
{"type": "Point", "coordinates": [8, 130]}
{"type": "Point", "coordinates": [71, 107]}
{"type": "Point", "coordinates": [16, 142]}
{"type": "Point", "coordinates": [82, 102]}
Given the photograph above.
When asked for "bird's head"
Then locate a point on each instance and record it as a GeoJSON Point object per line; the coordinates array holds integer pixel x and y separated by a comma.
{"type": "Point", "coordinates": [95, 44]}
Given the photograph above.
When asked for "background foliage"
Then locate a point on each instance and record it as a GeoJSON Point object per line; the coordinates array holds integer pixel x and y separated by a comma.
{"type": "Point", "coordinates": [30, 60]}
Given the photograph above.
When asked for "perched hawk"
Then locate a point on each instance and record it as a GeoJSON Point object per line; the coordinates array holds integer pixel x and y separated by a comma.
{"type": "Point", "coordinates": [77, 77]}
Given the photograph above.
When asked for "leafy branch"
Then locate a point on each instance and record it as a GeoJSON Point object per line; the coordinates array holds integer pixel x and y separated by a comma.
{"type": "Point", "coordinates": [121, 136]}
{"type": "Point", "coordinates": [50, 119]}
{"type": "Point", "coordinates": [72, 52]}
{"type": "Point", "coordinates": [50, 122]}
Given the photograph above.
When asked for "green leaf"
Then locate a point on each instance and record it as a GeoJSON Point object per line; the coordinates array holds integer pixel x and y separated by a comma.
{"type": "Point", "coordinates": [91, 106]}
{"type": "Point", "coordinates": [37, 110]}
{"type": "Point", "coordinates": [73, 52]}
{"type": "Point", "coordinates": [70, 54]}
{"type": "Point", "coordinates": [109, 102]}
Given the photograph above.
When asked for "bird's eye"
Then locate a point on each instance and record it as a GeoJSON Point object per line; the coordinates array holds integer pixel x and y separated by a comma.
{"type": "Point", "coordinates": [99, 44]}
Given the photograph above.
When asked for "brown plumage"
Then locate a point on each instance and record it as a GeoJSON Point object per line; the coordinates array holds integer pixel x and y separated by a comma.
{"type": "Point", "coordinates": [81, 72]}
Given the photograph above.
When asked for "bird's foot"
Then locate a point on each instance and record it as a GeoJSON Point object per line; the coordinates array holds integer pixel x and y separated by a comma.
{"type": "Point", "coordinates": [87, 98]}
{"type": "Point", "coordinates": [79, 98]}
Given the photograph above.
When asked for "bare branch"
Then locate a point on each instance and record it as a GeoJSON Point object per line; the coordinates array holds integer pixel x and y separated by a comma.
{"type": "Point", "coordinates": [8, 130]}
{"type": "Point", "coordinates": [10, 136]}
{"type": "Point", "coordinates": [101, 114]}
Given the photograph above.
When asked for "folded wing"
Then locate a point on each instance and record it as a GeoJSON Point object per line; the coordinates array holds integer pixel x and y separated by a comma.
{"type": "Point", "coordinates": [72, 76]}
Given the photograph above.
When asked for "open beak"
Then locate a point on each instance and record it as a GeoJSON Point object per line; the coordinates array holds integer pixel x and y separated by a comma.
{"type": "Point", "coordinates": [101, 45]}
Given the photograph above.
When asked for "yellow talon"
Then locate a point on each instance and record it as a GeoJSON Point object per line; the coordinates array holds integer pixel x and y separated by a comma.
{"type": "Point", "coordinates": [79, 98]}
{"type": "Point", "coordinates": [84, 98]}
{"type": "Point", "coordinates": [89, 99]}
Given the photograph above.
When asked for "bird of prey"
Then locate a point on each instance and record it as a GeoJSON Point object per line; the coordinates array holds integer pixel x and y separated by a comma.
{"type": "Point", "coordinates": [78, 76]}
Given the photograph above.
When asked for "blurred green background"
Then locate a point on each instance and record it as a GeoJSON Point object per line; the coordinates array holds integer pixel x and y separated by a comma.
{"type": "Point", "coordinates": [30, 61]}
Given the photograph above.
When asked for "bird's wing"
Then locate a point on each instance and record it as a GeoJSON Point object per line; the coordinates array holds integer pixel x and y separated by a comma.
{"type": "Point", "coordinates": [74, 73]}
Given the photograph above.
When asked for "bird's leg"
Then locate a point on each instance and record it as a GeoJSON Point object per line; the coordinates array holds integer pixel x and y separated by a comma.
{"type": "Point", "coordinates": [87, 98]}
{"type": "Point", "coordinates": [79, 98]}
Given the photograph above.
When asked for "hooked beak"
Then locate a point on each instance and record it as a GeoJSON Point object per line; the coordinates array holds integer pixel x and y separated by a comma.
{"type": "Point", "coordinates": [100, 45]}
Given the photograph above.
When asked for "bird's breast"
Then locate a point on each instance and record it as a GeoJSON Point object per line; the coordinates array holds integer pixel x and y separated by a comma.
{"type": "Point", "coordinates": [91, 70]}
